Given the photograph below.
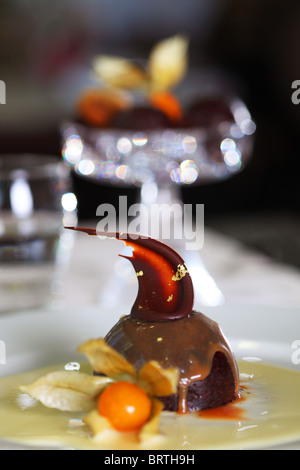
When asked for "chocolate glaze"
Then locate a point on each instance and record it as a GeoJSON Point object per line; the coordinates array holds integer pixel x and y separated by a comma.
{"type": "Point", "coordinates": [163, 326]}
{"type": "Point", "coordinates": [189, 344]}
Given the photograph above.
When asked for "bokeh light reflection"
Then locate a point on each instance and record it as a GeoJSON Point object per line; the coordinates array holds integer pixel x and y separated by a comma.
{"type": "Point", "coordinates": [189, 172]}
{"type": "Point", "coordinates": [189, 144]}
{"type": "Point", "coordinates": [232, 158]}
{"type": "Point", "coordinates": [186, 173]}
{"type": "Point", "coordinates": [139, 139]}
{"type": "Point", "coordinates": [124, 145]}
{"type": "Point", "coordinates": [123, 172]}
{"type": "Point", "coordinates": [105, 169]}
{"type": "Point", "coordinates": [227, 144]}
{"type": "Point", "coordinates": [69, 202]}
{"type": "Point", "coordinates": [85, 167]}
{"type": "Point", "coordinates": [72, 149]}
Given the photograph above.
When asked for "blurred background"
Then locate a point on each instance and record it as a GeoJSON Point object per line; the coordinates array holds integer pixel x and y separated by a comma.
{"type": "Point", "coordinates": [253, 46]}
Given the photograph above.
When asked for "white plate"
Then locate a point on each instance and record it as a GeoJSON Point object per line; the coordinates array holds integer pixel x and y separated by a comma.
{"type": "Point", "coordinates": [40, 338]}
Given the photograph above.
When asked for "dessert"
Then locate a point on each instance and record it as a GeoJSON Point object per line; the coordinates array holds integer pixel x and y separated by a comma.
{"type": "Point", "coordinates": [143, 119]}
{"type": "Point", "coordinates": [162, 326]}
{"type": "Point", "coordinates": [120, 405]}
{"type": "Point", "coordinates": [135, 97]}
{"type": "Point", "coordinates": [163, 356]}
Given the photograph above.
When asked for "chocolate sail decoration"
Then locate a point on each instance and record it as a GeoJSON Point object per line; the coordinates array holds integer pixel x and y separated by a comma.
{"type": "Point", "coordinates": [165, 286]}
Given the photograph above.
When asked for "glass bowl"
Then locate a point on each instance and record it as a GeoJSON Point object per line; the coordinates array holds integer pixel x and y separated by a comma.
{"type": "Point", "coordinates": [166, 157]}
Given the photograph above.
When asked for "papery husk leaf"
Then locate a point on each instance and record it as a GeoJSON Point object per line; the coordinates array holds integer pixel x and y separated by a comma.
{"type": "Point", "coordinates": [151, 428]}
{"type": "Point", "coordinates": [157, 381]}
{"type": "Point", "coordinates": [67, 391]}
{"type": "Point", "coordinates": [168, 62]}
{"type": "Point", "coordinates": [97, 423]}
{"type": "Point", "coordinates": [106, 360]}
{"type": "Point", "coordinates": [119, 72]}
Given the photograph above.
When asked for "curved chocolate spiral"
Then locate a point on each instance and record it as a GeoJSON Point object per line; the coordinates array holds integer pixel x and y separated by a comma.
{"type": "Point", "coordinates": [165, 286]}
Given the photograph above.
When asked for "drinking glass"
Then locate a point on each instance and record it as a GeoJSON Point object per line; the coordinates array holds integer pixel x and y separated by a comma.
{"type": "Point", "coordinates": [36, 200]}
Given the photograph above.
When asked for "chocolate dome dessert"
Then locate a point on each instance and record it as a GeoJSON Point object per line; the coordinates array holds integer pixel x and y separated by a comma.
{"type": "Point", "coordinates": [162, 326]}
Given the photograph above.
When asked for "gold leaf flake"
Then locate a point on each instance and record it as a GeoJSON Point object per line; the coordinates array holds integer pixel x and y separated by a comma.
{"type": "Point", "coordinates": [180, 273]}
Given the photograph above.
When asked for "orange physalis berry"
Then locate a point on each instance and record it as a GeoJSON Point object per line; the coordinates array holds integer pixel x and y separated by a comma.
{"type": "Point", "coordinates": [125, 405]}
{"type": "Point", "coordinates": [167, 103]}
{"type": "Point", "coordinates": [99, 107]}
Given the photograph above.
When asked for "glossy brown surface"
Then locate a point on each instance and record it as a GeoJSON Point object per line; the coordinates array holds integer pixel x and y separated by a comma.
{"type": "Point", "coordinates": [165, 286]}
{"type": "Point", "coordinates": [195, 345]}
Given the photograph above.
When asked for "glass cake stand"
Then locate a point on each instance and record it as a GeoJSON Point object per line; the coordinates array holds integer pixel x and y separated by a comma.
{"type": "Point", "coordinates": [160, 162]}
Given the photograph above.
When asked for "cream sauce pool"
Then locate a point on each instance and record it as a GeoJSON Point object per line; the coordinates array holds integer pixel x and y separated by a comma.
{"type": "Point", "coordinates": [268, 414]}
